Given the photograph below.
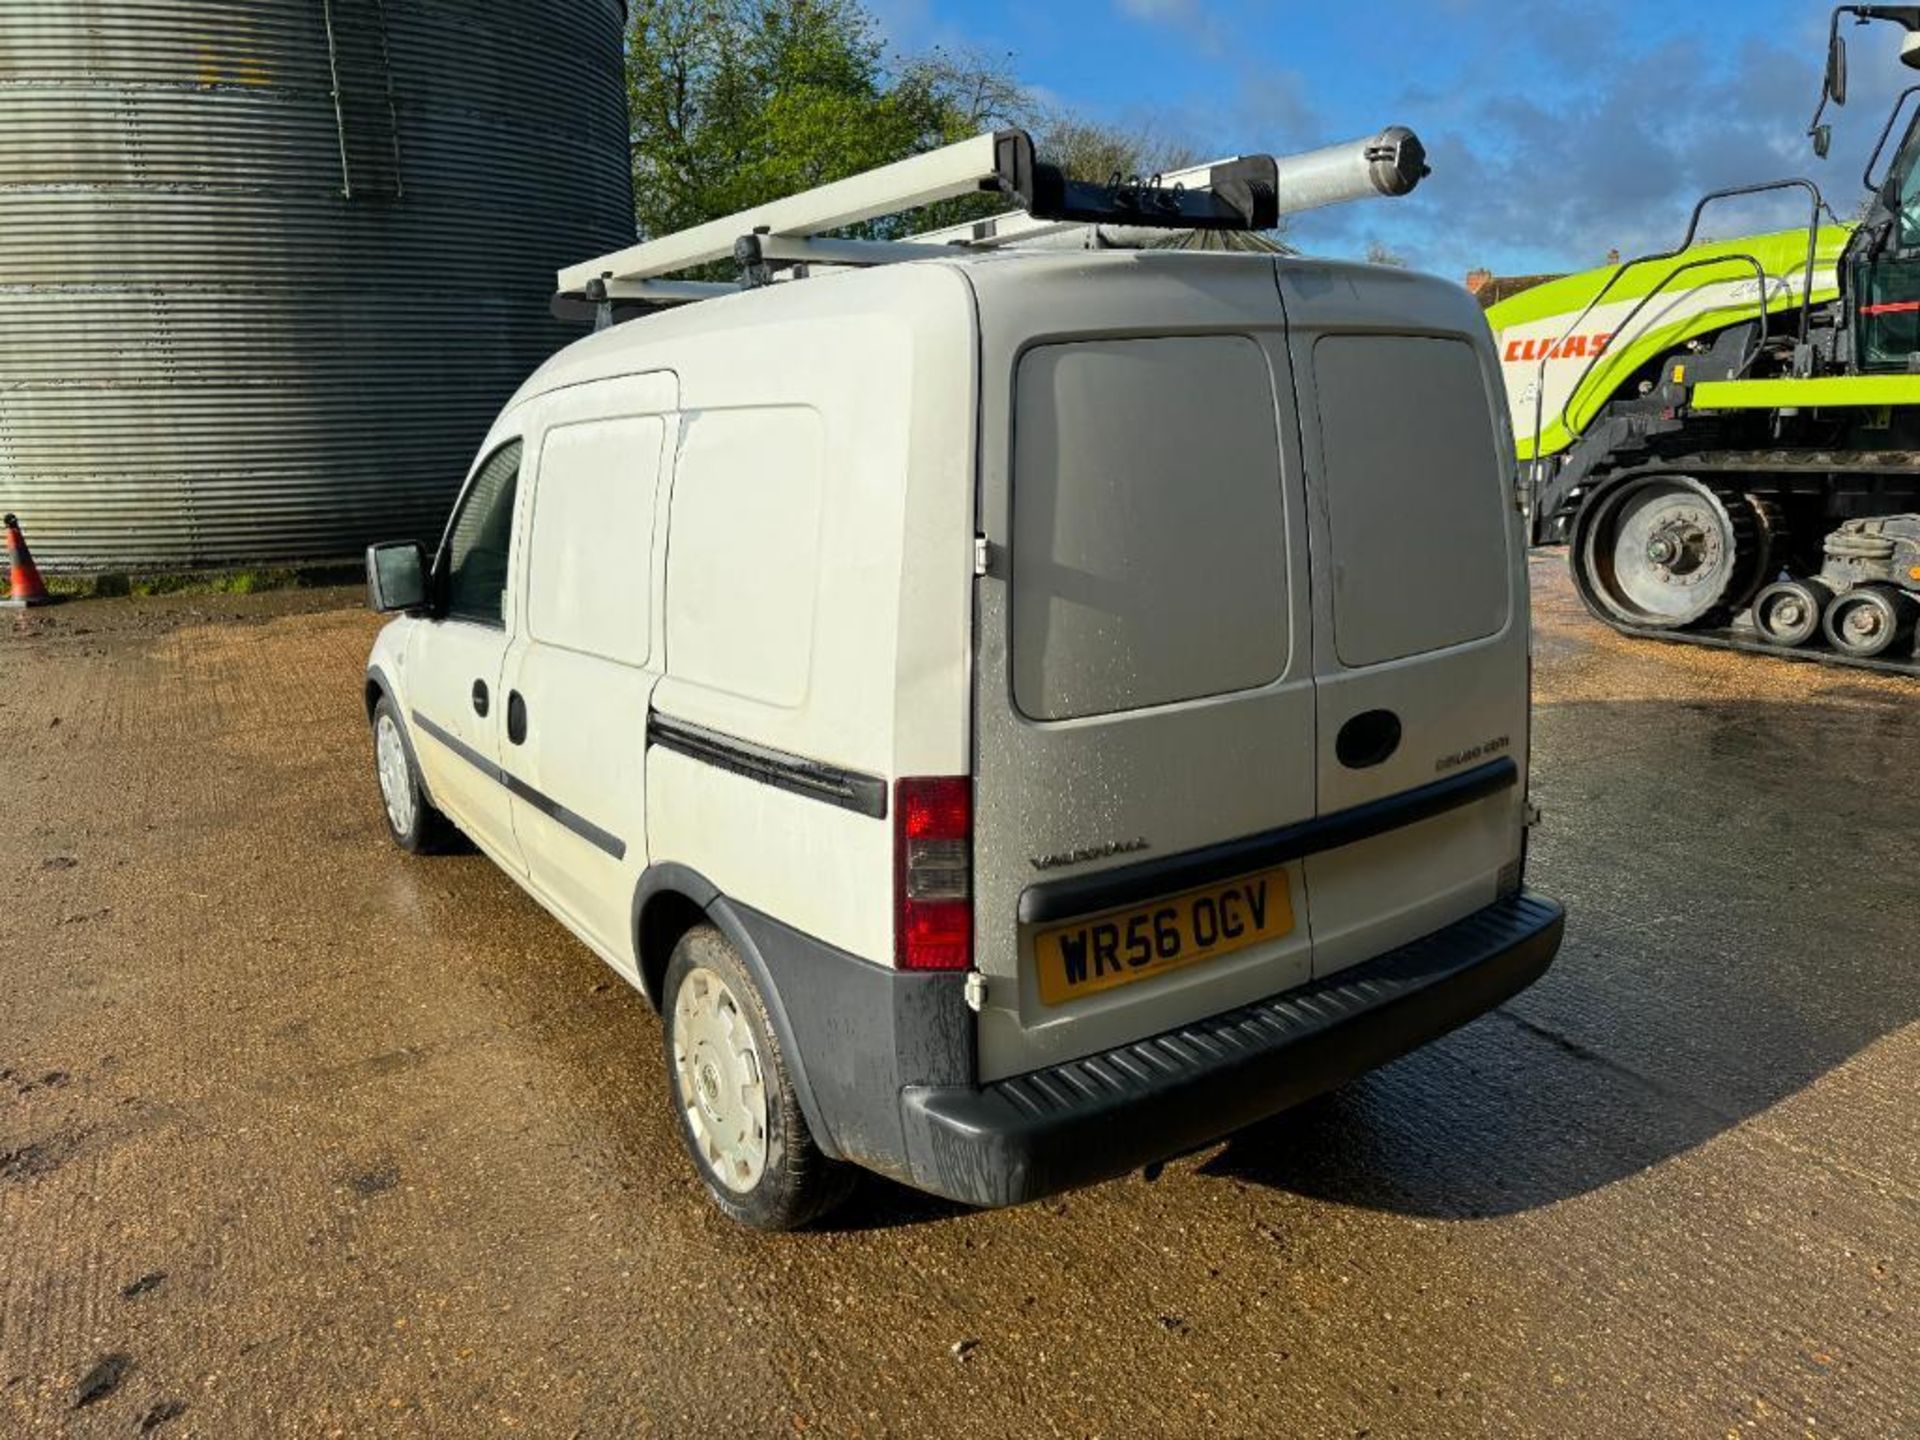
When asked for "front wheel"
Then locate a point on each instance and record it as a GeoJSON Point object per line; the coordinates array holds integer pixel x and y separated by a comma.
{"type": "Point", "coordinates": [415, 825]}
{"type": "Point", "coordinates": [733, 1096]}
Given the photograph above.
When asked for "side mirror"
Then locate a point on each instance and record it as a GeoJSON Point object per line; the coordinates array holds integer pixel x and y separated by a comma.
{"type": "Point", "coordinates": [1837, 68]}
{"type": "Point", "coordinates": [396, 576]}
{"type": "Point", "coordinates": [1822, 140]}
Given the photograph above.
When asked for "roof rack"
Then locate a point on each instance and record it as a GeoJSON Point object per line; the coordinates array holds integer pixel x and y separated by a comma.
{"type": "Point", "coordinates": [1239, 196]}
{"type": "Point", "coordinates": [1244, 193]}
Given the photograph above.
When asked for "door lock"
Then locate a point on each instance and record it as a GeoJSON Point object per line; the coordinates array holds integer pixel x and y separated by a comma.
{"type": "Point", "coordinates": [480, 697]}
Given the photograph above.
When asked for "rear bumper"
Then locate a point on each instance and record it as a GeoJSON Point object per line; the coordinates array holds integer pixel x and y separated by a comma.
{"type": "Point", "coordinates": [1105, 1114]}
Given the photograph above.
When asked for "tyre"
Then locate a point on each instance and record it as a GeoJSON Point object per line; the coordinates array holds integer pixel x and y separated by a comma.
{"type": "Point", "coordinates": [1869, 621]}
{"type": "Point", "coordinates": [1787, 613]}
{"type": "Point", "coordinates": [415, 825]}
{"type": "Point", "coordinates": [1667, 552]}
{"type": "Point", "coordinates": [733, 1094]}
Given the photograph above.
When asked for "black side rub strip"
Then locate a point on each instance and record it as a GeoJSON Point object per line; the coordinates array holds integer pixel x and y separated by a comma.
{"type": "Point", "coordinates": [848, 789]}
{"type": "Point", "coordinates": [1128, 884]}
{"type": "Point", "coordinates": [545, 804]}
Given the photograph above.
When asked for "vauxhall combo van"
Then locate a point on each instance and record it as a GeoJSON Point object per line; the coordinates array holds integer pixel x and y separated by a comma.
{"type": "Point", "coordinates": [1017, 716]}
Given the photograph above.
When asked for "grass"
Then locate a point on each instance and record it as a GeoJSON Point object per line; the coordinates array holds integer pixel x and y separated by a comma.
{"type": "Point", "coordinates": [203, 582]}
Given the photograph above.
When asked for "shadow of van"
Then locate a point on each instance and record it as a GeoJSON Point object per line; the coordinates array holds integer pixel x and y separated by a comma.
{"type": "Point", "coordinates": [1740, 892]}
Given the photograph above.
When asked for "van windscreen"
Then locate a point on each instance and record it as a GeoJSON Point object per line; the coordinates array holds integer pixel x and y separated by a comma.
{"type": "Point", "coordinates": [1149, 533]}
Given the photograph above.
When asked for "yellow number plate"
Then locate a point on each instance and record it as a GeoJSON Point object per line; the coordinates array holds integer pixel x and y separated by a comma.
{"type": "Point", "coordinates": [1122, 946]}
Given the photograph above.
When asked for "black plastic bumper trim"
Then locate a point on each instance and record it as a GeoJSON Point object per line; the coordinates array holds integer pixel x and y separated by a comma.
{"type": "Point", "coordinates": [602, 840]}
{"type": "Point", "coordinates": [817, 780]}
{"type": "Point", "coordinates": [1094, 1118]}
{"type": "Point", "coordinates": [1146, 879]}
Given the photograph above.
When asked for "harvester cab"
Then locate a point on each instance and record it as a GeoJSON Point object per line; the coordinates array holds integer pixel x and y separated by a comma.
{"type": "Point", "coordinates": [1726, 435]}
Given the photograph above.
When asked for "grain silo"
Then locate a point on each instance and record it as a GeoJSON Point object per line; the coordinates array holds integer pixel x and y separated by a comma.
{"type": "Point", "coordinates": [269, 267]}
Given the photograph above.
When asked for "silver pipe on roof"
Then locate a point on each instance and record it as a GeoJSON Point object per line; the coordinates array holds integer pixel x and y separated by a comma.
{"type": "Point", "coordinates": [1389, 164]}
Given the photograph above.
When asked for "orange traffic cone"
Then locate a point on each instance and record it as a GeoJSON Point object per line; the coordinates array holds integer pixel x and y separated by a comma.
{"type": "Point", "coordinates": [28, 589]}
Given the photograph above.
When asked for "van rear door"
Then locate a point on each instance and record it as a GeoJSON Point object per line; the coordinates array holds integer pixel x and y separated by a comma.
{"type": "Point", "coordinates": [1144, 691]}
{"type": "Point", "coordinates": [1420, 622]}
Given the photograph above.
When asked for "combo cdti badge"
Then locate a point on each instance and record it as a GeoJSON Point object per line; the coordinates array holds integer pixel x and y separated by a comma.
{"type": "Point", "coordinates": [1017, 714]}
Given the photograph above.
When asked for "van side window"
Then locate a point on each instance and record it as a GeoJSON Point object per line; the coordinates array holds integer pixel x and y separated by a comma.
{"type": "Point", "coordinates": [590, 545]}
{"type": "Point", "coordinates": [478, 543]}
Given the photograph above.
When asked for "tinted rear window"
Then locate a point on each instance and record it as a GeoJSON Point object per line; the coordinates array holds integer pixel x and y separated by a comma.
{"type": "Point", "coordinates": [1149, 535]}
{"type": "Point", "coordinates": [1416, 494]}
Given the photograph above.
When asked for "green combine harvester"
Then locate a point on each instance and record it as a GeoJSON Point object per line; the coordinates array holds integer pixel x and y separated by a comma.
{"type": "Point", "coordinates": [1726, 436]}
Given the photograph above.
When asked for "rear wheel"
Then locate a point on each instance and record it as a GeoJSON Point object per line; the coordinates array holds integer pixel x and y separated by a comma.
{"type": "Point", "coordinates": [1788, 612]}
{"type": "Point", "coordinates": [1667, 552]}
{"type": "Point", "coordinates": [733, 1096]}
{"type": "Point", "coordinates": [1869, 621]}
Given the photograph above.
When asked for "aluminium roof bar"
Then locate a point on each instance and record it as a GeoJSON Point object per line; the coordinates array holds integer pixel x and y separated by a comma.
{"type": "Point", "coordinates": [1001, 161]}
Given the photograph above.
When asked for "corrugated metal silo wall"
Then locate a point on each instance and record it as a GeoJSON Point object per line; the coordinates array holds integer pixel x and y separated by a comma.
{"type": "Point", "coordinates": [268, 269]}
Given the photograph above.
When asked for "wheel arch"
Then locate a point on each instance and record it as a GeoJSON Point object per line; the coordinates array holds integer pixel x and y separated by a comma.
{"type": "Point", "coordinates": [669, 900]}
{"type": "Point", "coordinates": [377, 686]}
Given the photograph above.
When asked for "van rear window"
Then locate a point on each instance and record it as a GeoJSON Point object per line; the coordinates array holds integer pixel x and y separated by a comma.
{"type": "Point", "coordinates": [1416, 494]}
{"type": "Point", "coordinates": [1149, 533]}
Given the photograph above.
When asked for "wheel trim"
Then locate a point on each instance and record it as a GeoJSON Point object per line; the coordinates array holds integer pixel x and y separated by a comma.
{"type": "Point", "coordinates": [396, 777]}
{"type": "Point", "coordinates": [722, 1084]}
{"type": "Point", "coordinates": [1662, 551]}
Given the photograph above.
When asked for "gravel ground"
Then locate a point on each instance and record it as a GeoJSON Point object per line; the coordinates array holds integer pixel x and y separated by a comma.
{"type": "Point", "coordinates": [301, 1136]}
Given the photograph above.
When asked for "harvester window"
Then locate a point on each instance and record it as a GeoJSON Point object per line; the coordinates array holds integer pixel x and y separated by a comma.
{"type": "Point", "coordinates": [1909, 237]}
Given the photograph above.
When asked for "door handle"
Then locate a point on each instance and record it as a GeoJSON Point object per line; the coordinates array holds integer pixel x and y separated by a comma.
{"type": "Point", "coordinates": [516, 717]}
{"type": "Point", "coordinates": [1368, 739]}
{"type": "Point", "coordinates": [480, 697]}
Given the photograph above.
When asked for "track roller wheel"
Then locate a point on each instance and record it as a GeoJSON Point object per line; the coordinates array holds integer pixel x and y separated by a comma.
{"type": "Point", "coordinates": [1787, 613]}
{"type": "Point", "coordinates": [1668, 552]}
{"type": "Point", "coordinates": [1869, 620]}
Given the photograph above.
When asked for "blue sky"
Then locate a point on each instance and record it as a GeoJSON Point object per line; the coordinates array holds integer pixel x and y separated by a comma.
{"type": "Point", "coordinates": [1557, 131]}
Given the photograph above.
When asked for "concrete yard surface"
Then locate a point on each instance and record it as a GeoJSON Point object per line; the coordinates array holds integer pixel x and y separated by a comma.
{"type": "Point", "coordinates": [302, 1136]}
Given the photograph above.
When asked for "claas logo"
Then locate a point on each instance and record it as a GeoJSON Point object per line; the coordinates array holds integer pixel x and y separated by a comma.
{"type": "Point", "coordinates": [1574, 347]}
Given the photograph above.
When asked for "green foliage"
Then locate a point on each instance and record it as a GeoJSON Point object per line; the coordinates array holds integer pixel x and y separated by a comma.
{"type": "Point", "coordinates": [738, 102]}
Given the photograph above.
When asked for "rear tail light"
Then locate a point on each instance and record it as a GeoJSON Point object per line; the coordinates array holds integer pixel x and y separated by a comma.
{"type": "Point", "coordinates": [933, 873]}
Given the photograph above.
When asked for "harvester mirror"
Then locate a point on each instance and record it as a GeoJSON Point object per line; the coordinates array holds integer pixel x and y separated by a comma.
{"type": "Point", "coordinates": [1822, 140]}
{"type": "Point", "coordinates": [1837, 69]}
{"type": "Point", "coordinates": [396, 576]}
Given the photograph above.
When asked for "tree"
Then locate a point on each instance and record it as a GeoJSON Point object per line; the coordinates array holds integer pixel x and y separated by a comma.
{"type": "Point", "coordinates": [1379, 254]}
{"type": "Point", "coordinates": [737, 102]}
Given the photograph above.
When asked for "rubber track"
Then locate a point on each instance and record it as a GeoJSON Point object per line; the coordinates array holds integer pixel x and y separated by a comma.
{"type": "Point", "coordinates": [1738, 637]}
{"type": "Point", "coordinates": [1731, 637]}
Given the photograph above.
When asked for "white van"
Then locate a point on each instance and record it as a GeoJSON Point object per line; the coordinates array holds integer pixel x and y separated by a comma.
{"type": "Point", "coordinates": [1017, 716]}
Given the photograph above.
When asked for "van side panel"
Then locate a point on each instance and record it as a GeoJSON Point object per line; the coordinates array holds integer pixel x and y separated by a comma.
{"type": "Point", "coordinates": [817, 603]}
